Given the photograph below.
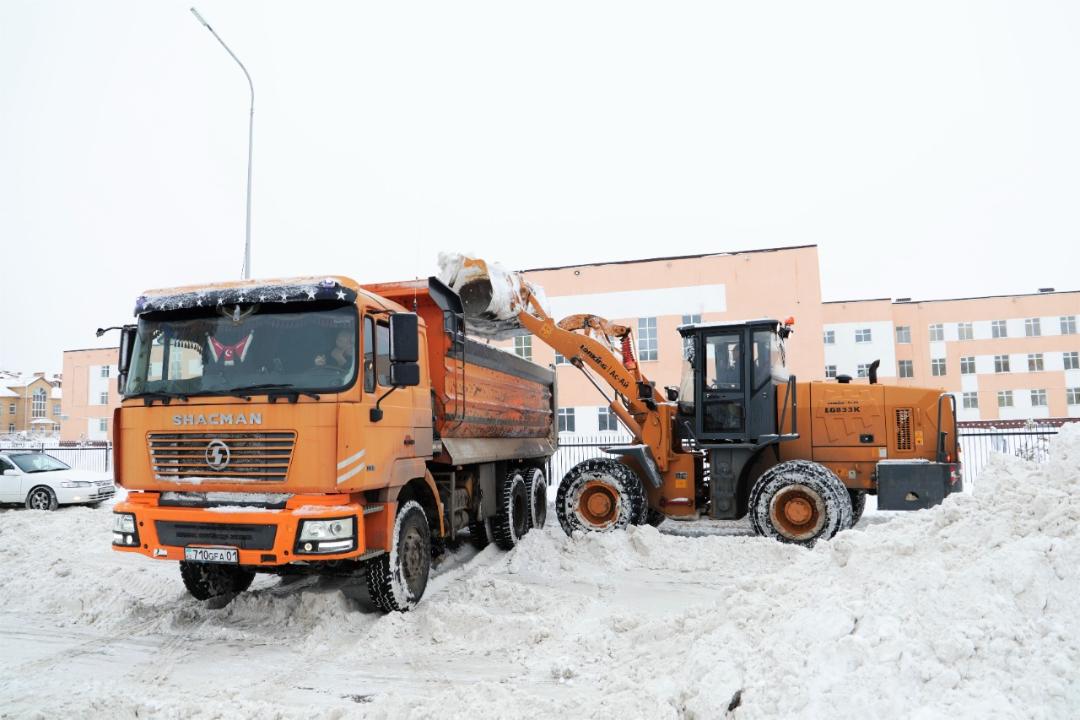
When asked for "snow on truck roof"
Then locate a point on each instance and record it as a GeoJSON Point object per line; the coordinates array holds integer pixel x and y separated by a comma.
{"type": "Point", "coordinates": [275, 290]}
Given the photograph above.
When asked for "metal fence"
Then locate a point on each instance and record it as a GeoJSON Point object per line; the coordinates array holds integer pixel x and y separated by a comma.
{"type": "Point", "coordinates": [575, 448]}
{"type": "Point", "coordinates": [1026, 439]}
{"type": "Point", "coordinates": [97, 458]}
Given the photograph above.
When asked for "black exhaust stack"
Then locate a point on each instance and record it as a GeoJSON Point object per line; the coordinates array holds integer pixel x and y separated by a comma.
{"type": "Point", "coordinates": [871, 372]}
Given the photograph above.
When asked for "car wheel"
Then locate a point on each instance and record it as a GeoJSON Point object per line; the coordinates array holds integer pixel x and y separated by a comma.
{"type": "Point", "coordinates": [41, 498]}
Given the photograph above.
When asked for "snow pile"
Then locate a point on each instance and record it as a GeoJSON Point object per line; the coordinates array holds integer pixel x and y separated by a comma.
{"type": "Point", "coordinates": [971, 609]}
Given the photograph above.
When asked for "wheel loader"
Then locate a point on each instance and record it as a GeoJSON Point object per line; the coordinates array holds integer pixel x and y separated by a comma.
{"type": "Point", "coordinates": [740, 436]}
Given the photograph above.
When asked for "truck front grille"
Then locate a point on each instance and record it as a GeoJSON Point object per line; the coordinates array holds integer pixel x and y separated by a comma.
{"type": "Point", "coordinates": [243, 536]}
{"type": "Point", "coordinates": [225, 456]}
{"type": "Point", "coordinates": [903, 428]}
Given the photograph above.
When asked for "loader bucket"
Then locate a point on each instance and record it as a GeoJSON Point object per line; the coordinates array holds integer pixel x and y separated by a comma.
{"type": "Point", "coordinates": [491, 297]}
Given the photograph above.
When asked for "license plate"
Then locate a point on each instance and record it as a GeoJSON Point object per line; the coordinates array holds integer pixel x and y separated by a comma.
{"type": "Point", "coordinates": [212, 555]}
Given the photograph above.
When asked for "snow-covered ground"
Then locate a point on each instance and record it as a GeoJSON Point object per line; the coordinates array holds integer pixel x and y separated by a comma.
{"type": "Point", "coordinates": [971, 609]}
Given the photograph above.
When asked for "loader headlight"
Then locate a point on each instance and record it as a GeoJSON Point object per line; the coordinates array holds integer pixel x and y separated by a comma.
{"type": "Point", "coordinates": [326, 536]}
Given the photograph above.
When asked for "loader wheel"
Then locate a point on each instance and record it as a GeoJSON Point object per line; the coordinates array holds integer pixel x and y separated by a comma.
{"type": "Point", "coordinates": [799, 502]}
{"type": "Point", "coordinates": [654, 517]}
{"type": "Point", "coordinates": [205, 581]}
{"type": "Point", "coordinates": [599, 494]}
{"type": "Point", "coordinates": [858, 504]}
{"type": "Point", "coordinates": [537, 499]}
{"type": "Point", "coordinates": [511, 522]}
{"type": "Point", "coordinates": [396, 580]}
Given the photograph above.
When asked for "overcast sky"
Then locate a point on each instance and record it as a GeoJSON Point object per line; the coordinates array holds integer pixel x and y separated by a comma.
{"type": "Point", "coordinates": [930, 149]}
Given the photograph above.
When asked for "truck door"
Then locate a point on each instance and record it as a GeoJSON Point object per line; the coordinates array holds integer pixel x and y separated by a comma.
{"type": "Point", "coordinates": [721, 391]}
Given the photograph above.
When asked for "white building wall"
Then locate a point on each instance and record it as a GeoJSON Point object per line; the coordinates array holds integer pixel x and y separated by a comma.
{"type": "Point", "coordinates": [847, 355]}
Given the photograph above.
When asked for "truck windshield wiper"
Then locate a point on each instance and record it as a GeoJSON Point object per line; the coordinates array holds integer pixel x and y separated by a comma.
{"type": "Point", "coordinates": [148, 398]}
{"type": "Point", "coordinates": [285, 389]}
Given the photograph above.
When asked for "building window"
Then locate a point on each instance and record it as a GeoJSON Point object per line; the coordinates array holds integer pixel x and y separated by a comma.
{"type": "Point", "coordinates": [566, 419]}
{"type": "Point", "coordinates": [560, 360]}
{"type": "Point", "coordinates": [1038, 398]}
{"type": "Point", "coordinates": [937, 332]}
{"type": "Point", "coordinates": [999, 329]}
{"type": "Point", "coordinates": [967, 366]}
{"type": "Point", "coordinates": [1035, 362]}
{"type": "Point", "coordinates": [937, 367]}
{"type": "Point", "coordinates": [103, 425]}
{"type": "Point", "coordinates": [523, 346]}
{"type": "Point", "coordinates": [1001, 363]}
{"type": "Point", "coordinates": [11, 408]}
{"type": "Point", "coordinates": [1005, 398]}
{"type": "Point", "coordinates": [903, 334]}
{"type": "Point", "coordinates": [56, 409]}
{"type": "Point", "coordinates": [1071, 360]}
{"type": "Point", "coordinates": [606, 420]}
{"type": "Point", "coordinates": [646, 339]}
{"type": "Point", "coordinates": [1032, 328]}
{"type": "Point", "coordinates": [830, 371]}
{"type": "Point", "coordinates": [863, 370]}
{"type": "Point", "coordinates": [1068, 325]}
{"type": "Point", "coordinates": [830, 337]}
{"type": "Point", "coordinates": [907, 368]}
{"type": "Point", "coordinates": [37, 407]}
{"type": "Point", "coordinates": [692, 319]}
{"type": "Point", "coordinates": [104, 371]}
{"type": "Point", "coordinates": [862, 335]}
{"type": "Point", "coordinates": [965, 331]}
{"type": "Point", "coordinates": [1072, 396]}
{"type": "Point", "coordinates": [971, 401]}
{"type": "Point", "coordinates": [11, 427]}
{"type": "Point", "coordinates": [104, 398]}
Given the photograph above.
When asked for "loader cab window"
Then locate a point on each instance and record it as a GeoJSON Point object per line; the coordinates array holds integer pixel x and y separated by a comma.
{"type": "Point", "coordinates": [722, 400]}
{"type": "Point", "coordinates": [723, 362]}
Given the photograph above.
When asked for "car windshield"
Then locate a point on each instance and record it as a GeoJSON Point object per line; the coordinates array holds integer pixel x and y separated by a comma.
{"type": "Point", "coordinates": [233, 348]}
{"type": "Point", "coordinates": [37, 462]}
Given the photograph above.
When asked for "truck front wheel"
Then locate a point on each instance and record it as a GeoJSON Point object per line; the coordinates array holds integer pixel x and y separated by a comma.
{"type": "Point", "coordinates": [799, 502]}
{"type": "Point", "coordinates": [204, 580]}
{"type": "Point", "coordinates": [396, 580]}
{"type": "Point", "coordinates": [598, 495]}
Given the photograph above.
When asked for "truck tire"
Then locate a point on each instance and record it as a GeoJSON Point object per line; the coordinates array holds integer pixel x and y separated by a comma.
{"type": "Point", "coordinates": [858, 504]}
{"type": "Point", "coordinates": [41, 498]}
{"type": "Point", "coordinates": [537, 499]}
{"type": "Point", "coordinates": [479, 534]}
{"type": "Point", "coordinates": [511, 522]}
{"type": "Point", "coordinates": [396, 580]}
{"type": "Point", "coordinates": [599, 495]}
{"type": "Point", "coordinates": [206, 580]}
{"type": "Point", "coordinates": [799, 502]}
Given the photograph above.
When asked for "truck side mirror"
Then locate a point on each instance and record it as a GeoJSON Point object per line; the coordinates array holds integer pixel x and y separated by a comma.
{"type": "Point", "coordinates": [405, 374]}
{"type": "Point", "coordinates": [127, 345]}
{"type": "Point", "coordinates": [404, 338]}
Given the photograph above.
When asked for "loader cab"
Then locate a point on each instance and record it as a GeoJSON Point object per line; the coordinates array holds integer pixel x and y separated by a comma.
{"type": "Point", "coordinates": [728, 391]}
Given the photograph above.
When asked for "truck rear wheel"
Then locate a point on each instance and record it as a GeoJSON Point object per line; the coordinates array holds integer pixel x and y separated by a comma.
{"type": "Point", "coordinates": [599, 494]}
{"type": "Point", "coordinates": [511, 522]}
{"type": "Point", "coordinates": [479, 534]}
{"type": "Point", "coordinates": [799, 502]}
{"type": "Point", "coordinates": [396, 580]}
{"type": "Point", "coordinates": [205, 580]}
{"type": "Point", "coordinates": [537, 498]}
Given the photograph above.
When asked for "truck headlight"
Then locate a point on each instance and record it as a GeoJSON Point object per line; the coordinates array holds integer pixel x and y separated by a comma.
{"type": "Point", "coordinates": [123, 522]}
{"type": "Point", "coordinates": [326, 536]}
{"type": "Point", "coordinates": [75, 483]}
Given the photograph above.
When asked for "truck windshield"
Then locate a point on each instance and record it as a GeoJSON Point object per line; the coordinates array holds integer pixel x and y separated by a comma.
{"type": "Point", "coordinates": [211, 351]}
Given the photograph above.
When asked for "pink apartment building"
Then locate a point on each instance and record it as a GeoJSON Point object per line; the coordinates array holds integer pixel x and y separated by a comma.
{"type": "Point", "coordinates": [1005, 357]}
{"type": "Point", "coordinates": [89, 395]}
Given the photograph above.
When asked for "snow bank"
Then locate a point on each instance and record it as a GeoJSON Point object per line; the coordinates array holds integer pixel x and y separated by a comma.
{"type": "Point", "coordinates": [971, 609]}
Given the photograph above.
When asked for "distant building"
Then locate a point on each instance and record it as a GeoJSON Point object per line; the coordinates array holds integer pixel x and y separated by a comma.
{"type": "Point", "coordinates": [90, 394]}
{"type": "Point", "coordinates": [29, 404]}
{"type": "Point", "coordinates": [1004, 357]}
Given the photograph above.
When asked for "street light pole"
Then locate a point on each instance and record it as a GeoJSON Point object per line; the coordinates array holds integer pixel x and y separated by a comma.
{"type": "Point", "coordinates": [251, 141]}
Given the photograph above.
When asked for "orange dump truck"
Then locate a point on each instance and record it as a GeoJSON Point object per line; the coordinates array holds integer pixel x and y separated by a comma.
{"type": "Point", "coordinates": [311, 424]}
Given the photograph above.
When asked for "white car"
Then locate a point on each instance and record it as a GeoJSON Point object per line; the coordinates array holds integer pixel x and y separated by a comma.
{"type": "Point", "coordinates": [41, 482]}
